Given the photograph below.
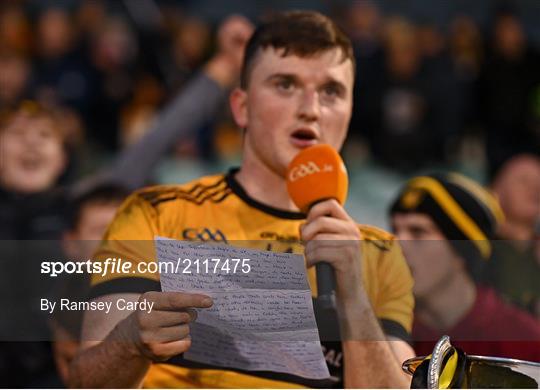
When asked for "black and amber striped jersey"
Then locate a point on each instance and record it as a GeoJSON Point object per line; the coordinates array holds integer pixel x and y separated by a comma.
{"type": "Point", "coordinates": [216, 208]}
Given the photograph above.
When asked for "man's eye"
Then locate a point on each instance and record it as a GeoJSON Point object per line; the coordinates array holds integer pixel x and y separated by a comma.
{"type": "Point", "coordinates": [19, 132]}
{"type": "Point", "coordinates": [417, 234]}
{"type": "Point", "coordinates": [331, 90]}
{"type": "Point", "coordinates": [46, 134]}
{"type": "Point", "coordinates": [284, 85]}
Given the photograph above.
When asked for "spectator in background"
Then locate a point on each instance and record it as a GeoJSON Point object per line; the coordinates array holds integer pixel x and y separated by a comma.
{"type": "Point", "coordinates": [517, 185]}
{"type": "Point", "coordinates": [190, 46]}
{"type": "Point", "coordinates": [32, 146]}
{"type": "Point", "coordinates": [61, 72]}
{"type": "Point", "coordinates": [175, 45]}
{"type": "Point", "coordinates": [137, 115]}
{"type": "Point", "coordinates": [88, 17]}
{"type": "Point", "coordinates": [465, 46]}
{"type": "Point", "coordinates": [34, 143]}
{"type": "Point", "coordinates": [507, 86]}
{"type": "Point", "coordinates": [15, 30]}
{"type": "Point", "coordinates": [33, 152]}
{"type": "Point", "coordinates": [400, 132]}
{"type": "Point", "coordinates": [465, 43]}
{"type": "Point", "coordinates": [515, 269]}
{"type": "Point", "coordinates": [363, 23]}
{"type": "Point", "coordinates": [445, 224]}
{"type": "Point", "coordinates": [90, 214]}
{"type": "Point", "coordinates": [412, 122]}
{"type": "Point", "coordinates": [445, 117]}
{"type": "Point", "coordinates": [14, 78]}
{"type": "Point", "coordinates": [34, 156]}
{"type": "Point", "coordinates": [113, 54]}
{"type": "Point", "coordinates": [15, 50]}
{"type": "Point", "coordinates": [432, 43]}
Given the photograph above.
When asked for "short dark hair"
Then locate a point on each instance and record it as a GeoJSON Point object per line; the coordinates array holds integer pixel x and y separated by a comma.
{"type": "Point", "coordinates": [302, 33]}
{"type": "Point", "coordinates": [102, 194]}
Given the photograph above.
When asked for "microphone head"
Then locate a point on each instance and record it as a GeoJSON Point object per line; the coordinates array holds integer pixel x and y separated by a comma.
{"type": "Point", "coordinates": [317, 173]}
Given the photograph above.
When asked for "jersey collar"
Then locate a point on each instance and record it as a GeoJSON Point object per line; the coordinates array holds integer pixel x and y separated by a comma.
{"type": "Point", "coordinates": [239, 191]}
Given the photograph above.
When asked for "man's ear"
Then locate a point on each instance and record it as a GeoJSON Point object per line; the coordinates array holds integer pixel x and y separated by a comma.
{"type": "Point", "coordinates": [238, 102]}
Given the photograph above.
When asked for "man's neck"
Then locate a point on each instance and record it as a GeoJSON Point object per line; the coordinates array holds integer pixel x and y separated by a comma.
{"type": "Point", "coordinates": [264, 185]}
{"type": "Point", "coordinates": [447, 305]}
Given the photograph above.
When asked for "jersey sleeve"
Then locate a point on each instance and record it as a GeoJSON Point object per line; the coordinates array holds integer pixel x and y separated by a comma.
{"type": "Point", "coordinates": [395, 301]}
{"type": "Point", "coordinates": [128, 242]}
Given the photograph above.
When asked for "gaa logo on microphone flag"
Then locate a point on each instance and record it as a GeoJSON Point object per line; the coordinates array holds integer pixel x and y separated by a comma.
{"type": "Point", "coordinates": [303, 170]}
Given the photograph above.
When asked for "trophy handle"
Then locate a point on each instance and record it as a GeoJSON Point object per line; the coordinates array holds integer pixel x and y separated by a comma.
{"type": "Point", "coordinates": [440, 351]}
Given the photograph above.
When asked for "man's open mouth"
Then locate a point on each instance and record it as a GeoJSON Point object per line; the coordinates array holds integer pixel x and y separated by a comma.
{"type": "Point", "coordinates": [30, 164]}
{"type": "Point", "coordinates": [304, 134]}
{"type": "Point", "coordinates": [304, 137]}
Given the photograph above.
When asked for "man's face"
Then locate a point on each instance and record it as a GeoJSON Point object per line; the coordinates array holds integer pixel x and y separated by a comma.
{"type": "Point", "coordinates": [518, 190]}
{"type": "Point", "coordinates": [31, 155]}
{"type": "Point", "coordinates": [93, 222]}
{"type": "Point", "coordinates": [429, 254]}
{"type": "Point", "coordinates": [509, 35]}
{"type": "Point", "coordinates": [291, 103]}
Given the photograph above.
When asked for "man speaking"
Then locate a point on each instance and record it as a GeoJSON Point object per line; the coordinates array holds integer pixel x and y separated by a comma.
{"type": "Point", "coordinates": [295, 92]}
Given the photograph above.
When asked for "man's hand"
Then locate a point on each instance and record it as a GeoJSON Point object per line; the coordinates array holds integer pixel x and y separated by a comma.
{"type": "Point", "coordinates": [332, 236]}
{"type": "Point", "coordinates": [232, 37]}
{"type": "Point", "coordinates": [120, 357]}
{"type": "Point", "coordinates": [164, 332]}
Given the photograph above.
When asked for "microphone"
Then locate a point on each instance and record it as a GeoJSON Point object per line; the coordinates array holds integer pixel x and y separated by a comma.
{"type": "Point", "coordinates": [316, 174]}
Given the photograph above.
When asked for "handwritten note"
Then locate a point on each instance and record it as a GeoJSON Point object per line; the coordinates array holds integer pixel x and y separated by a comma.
{"type": "Point", "coordinates": [261, 320]}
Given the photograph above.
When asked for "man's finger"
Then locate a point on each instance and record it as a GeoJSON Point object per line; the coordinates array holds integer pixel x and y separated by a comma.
{"type": "Point", "coordinates": [167, 350]}
{"type": "Point", "coordinates": [321, 225]}
{"type": "Point", "coordinates": [330, 207]}
{"type": "Point", "coordinates": [329, 251]}
{"type": "Point", "coordinates": [324, 240]}
{"type": "Point", "coordinates": [172, 333]}
{"type": "Point", "coordinates": [171, 318]}
{"type": "Point", "coordinates": [180, 300]}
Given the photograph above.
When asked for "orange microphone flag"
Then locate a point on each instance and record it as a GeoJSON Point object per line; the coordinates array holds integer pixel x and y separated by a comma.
{"type": "Point", "coordinates": [317, 173]}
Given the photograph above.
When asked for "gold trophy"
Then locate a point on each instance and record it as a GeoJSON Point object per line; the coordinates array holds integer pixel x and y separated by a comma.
{"type": "Point", "coordinates": [450, 368]}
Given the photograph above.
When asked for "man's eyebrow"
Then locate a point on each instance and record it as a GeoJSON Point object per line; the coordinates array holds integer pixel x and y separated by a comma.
{"type": "Point", "coordinates": [417, 228]}
{"type": "Point", "coordinates": [292, 77]}
{"type": "Point", "coordinates": [286, 76]}
{"type": "Point", "coordinates": [335, 83]}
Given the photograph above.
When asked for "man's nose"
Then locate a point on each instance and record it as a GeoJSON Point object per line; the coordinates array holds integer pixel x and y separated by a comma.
{"type": "Point", "coordinates": [32, 138]}
{"type": "Point", "coordinates": [406, 243]}
{"type": "Point", "coordinates": [309, 108]}
{"type": "Point", "coordinates": [400, 234]}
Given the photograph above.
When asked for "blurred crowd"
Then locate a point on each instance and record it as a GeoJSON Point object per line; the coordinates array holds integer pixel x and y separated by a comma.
{"type": "Point", "coordinates": [84, 88]}
{"type": "Point", "coordinates": [423, 91]}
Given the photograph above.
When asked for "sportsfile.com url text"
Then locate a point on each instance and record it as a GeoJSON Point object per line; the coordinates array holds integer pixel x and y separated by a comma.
{"type": "Point", "coordinates": [113, 265]}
